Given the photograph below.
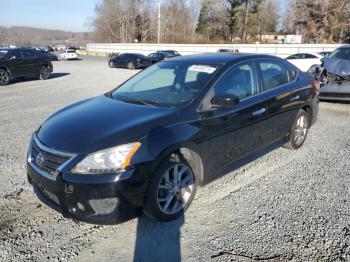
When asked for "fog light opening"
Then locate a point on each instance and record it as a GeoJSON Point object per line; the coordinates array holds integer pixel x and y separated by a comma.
{"type": "Point", "coordinates": [81, 206]}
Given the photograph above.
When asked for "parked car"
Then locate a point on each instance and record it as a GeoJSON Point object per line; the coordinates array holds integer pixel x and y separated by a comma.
{"type": "Point", "coordinates": [305, 61]}
{"type": "Point", "coordinates": [173, 52]}
{"type": "Point", "coordinates": [159, 56]}
{"type": "Point", "coordinates": [227, 50]}
{"type": "Point", "coordinates": [335, 75]}
{"type": "Point", "coordinates": [46, 48]}
{"type": "Point", "coordinates": [69, 55]}
{"type": "Point", "coordinates": [22, 62]}
{"type": "Point", "coordinates": [52, 56]}
{"type": "Point", "coordinates": [325, 53]}
{"type": "Point", "coordinates": [175, 125]}
{"type": "Point", "coordinates": [130, 61]}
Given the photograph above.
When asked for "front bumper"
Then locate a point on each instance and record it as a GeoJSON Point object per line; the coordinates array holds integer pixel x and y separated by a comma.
{"type": "Point", "coordinates": [98, 199]}
{"type": "Point", "coordinates": [338, 91]}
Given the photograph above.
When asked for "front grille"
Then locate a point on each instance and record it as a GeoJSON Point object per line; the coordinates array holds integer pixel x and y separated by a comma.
{"type": "Point", "coordinates": [45, 160]}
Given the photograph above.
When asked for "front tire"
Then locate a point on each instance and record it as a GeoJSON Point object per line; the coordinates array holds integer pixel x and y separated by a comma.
{"type": "Point", "coordinates": [171, 189]}
{"type": "Point", "coordinates": [44, 73]}
{"type": "Point", "coordinates": [299, 130]}
{"type": "Point", "coordinates": [131, 65]}
{"type": "Point", "coordinates": [4, 77]}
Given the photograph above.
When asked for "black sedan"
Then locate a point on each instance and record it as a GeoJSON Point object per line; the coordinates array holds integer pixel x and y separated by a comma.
{"type": "Point", "coordinates": [173, 52]}
{"type": "Point", "coordinates": [130, 61]}
{"type": "Point", "coordinates": [159, 56]}
{"type": "Point", "coordinates": [335, 76]}
{"type": "Point", "coordinates": [180, 123]}
{"type": "Point", "coordinates": [53, 56]}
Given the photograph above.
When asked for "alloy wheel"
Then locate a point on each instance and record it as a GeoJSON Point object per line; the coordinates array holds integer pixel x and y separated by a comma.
{"type": "Point", "coordinates": [175, 189]}
{"type": "Point", "coordinates": [44, 72]}
{"type": "Point", "coordinates": [4, 77]}
{"type": "Point", "coordinates": [300, 130]}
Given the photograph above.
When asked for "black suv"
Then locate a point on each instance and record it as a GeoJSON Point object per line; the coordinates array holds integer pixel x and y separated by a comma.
{"type": "Point", "coordinates": [20, 62]}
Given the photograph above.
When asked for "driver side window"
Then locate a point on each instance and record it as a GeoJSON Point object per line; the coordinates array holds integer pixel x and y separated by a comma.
{"type": "Point", "coordinates": [240, 81]}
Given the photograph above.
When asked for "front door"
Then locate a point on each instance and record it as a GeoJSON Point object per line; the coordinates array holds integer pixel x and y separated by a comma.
{"type": "Point", "coordinates": [16, 63]}
{"type": "Point", "coordinates": [230, 134]}
{"type": "Point", "coordinates": [122, 60]}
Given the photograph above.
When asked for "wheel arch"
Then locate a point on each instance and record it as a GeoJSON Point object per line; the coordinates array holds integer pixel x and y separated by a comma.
{"type": "Point", "coordinates": [189, 154]}
{"type": "Point", "coordinates": [308, 110]}
{"type": "Point", "coordinates": [7, 70]}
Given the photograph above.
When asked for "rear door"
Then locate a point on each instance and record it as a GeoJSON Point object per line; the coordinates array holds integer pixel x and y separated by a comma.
{"type": "Point", "coordinates": [283, 95]}
{"type": "Point", "coordinates": [30, 62]}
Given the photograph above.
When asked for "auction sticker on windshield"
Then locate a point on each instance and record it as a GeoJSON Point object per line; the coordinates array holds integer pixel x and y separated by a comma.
{"type": "Point", "coordinates": [202, 68]}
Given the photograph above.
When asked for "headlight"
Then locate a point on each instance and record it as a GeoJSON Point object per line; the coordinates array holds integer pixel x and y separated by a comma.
{"type": "Point", "coordinates": [110, 160]}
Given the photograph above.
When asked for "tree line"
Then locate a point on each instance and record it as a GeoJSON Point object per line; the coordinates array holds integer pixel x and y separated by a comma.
{"type": "Point", "coordinates": [220, 21]}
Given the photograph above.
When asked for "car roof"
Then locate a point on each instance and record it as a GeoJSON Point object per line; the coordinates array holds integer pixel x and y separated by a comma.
{"type": "Point", "coordinates": [138, 54]}
{"type": "Point", "coordinates": [344, 46]}
{"type": "Point", "coordinates": [309, 53]}
{"type": "Point", "coordinates": [220, 58]}
{"type": "Point", "coordinates": [18, 48]}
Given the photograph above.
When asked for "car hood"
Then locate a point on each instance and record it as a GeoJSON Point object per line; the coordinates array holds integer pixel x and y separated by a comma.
{"type": "Point", "coordinates": [99, 123]}
{"type": "Point", "coordinates": [335, 66]}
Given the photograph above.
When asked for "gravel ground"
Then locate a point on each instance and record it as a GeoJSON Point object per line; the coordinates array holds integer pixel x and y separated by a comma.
{"type": "Point", "coordinates": [287, 205]}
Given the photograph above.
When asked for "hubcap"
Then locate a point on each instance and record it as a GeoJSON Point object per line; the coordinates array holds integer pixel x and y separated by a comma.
{"type": "Point", "coordinates": [300, 130]}
{"type": "Point", "coordinates": [4, 77]}
{"type": "Point", "coordinates": [175, 188]}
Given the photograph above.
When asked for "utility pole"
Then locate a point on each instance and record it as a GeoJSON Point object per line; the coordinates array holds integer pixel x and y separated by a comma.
{"type": "Point", "coordinates": [158, 23]}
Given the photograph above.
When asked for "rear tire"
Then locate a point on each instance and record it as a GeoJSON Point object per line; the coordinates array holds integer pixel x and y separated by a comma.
{"type": "Point", "coordinates": [4, 77]}
{"type": "Point", "coordinates": [44, 73]}
{"type": "Point", "coordinates": [111, 64]}
{"type": "Point", "coordinates": [171, 189]}
{"type": "Point", "coordinates": [299, 131]}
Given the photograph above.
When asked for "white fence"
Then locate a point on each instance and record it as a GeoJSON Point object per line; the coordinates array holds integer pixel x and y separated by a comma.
{"type": "Point", "coordinates": [281, 50]}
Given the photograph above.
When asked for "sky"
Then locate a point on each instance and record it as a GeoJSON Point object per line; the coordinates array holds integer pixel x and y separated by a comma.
{"type": "Point", "coordinates": [69, 15]}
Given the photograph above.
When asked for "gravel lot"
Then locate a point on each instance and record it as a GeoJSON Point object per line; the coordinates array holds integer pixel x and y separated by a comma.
{"type": "Point", "coordinates": [287, 205]}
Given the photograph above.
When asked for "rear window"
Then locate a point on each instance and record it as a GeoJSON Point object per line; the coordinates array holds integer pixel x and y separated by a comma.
{"type": "Point", "coordinates": [28, 53]}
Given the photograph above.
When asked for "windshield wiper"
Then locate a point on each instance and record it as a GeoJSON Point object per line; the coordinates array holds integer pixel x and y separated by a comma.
{"type": "Point", "coordinates": [138, 101]}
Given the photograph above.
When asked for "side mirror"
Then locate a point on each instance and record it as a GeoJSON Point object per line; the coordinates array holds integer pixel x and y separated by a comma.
{"type": "Point", "coordinates": [13, 57]}
{"type": "Point", "coordinates": [224, 101]}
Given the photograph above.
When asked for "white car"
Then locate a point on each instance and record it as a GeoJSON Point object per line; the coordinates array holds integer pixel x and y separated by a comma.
{"type": "Point", "coordinates": [305, 61]}
{"type": "Point", "coordinates": [68, 55]}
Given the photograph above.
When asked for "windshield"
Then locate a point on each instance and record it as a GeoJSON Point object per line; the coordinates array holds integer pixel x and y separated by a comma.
{"type": "Point", "coordinates": [341, 53]}
{"type": "Point", "coordinates": [3, 53]}
{"type": "Point", "coordinates": [166, 84]}
{"type": "Point", "coordinates": [70, 51]}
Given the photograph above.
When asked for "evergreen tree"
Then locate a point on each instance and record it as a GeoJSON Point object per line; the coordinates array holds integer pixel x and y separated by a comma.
{"type": "Point", "coordinates": [203, 19]}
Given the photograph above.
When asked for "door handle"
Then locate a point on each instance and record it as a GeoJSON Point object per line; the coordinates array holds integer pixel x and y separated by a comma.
{"type": "Point", "coordinates": [259, 112]}
{"type": "Point", "coordinates": [295, 98]}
